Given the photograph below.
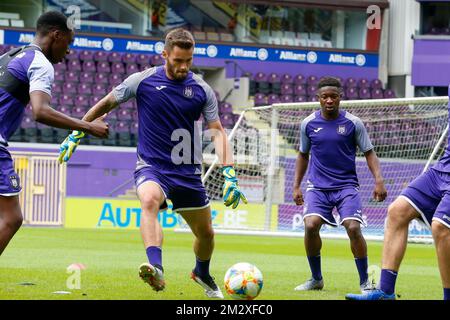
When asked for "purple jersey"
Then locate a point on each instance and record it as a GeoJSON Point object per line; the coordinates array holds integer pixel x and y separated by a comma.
{"type": "Point", "coordinates": [168, 114]}
{"type": "Point", "coordinates": [443, 164]}
{"type": "Point", "coordinates": [332, 144]}
{"type": "Point", "coordinates": [30, 71]}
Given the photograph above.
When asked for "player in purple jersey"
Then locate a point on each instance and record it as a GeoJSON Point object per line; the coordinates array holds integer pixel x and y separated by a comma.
{"type": "Point", "coordinates": [332, 136]}
{"type": "Point", "coordinates": [170, 101]}
{"type": "Point", "coordinates": [26, 74]}
{"type": "Point", "coordinates": [426, 198]}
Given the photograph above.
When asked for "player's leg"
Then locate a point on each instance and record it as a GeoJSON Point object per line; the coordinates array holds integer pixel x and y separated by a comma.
{"type": "Point", "coordinates": [317, 212]}
{"type": "Point", "coordinates": [10, 219]}
{"type": "Point", "coordinates": [152, 197]}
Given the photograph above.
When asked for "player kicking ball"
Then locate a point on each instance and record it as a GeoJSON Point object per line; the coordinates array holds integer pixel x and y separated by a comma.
{"type": "Point", "coordinates": [26, 75]}
{"type": "Point", "coordinates": [427, 198]}
{"type": "Point", "coordinates": [332, 136]}
{"type": "Point", "coordinates": [170, 99]}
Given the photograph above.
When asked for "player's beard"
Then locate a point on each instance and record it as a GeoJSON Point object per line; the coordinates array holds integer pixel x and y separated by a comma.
{"type": "Point", "coordinates": [174, 74]}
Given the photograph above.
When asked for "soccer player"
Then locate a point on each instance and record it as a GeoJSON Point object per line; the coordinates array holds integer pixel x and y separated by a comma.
{"type": "Point", "coordinates": [332, 136]}
{"type": "Point", "coordinates": [426, 198]}
{"type": "Point", "coordinates": [170, 100]}
{"type": "Point", "coordinates": [26, 74]}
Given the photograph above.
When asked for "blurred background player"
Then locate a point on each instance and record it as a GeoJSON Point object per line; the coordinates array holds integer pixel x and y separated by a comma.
{"type": "Point", "coordinates": [332, 136]}
{"type": "Point", "coordinates": [27, 75]}
{"type": "Point", "coordinates": [170, 101]}
{"type": "Point", "coordinates": [426, 198]}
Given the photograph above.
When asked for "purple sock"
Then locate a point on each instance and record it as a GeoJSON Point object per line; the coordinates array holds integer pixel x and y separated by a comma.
{"type": "Point", "coordinates": [361, 265]}
{"type": "Point", "coordinates": [154, 255]}
{"type": "Point", "coordinates": [314, 264]}
{"type": "Point", "coordinates": [446, 293]}
{"type": "Point", "coordinates": [202, 268]}
{"type": "Point", "coordinates": [387, 281]}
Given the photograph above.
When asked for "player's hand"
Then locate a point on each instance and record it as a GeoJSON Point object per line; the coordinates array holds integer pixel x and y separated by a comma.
{"type": "Point", "coordinates": [298, 196]}
{"type": "Point", "coordinates": [380, 192]}
{"type": "Point", "coordinates": [69, 145]}
{"type": "Point", "coordinates": [99, 128]}
{"type": "Point", "coordinates": [231, 193]}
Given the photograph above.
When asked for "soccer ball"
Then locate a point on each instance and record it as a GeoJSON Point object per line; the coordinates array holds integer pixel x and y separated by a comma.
{"type": "Point", "coordinates": [243, 281]}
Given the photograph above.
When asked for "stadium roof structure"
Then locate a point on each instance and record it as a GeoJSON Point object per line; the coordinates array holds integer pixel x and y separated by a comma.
{"type": "Point", "coordinates": [326, 4]}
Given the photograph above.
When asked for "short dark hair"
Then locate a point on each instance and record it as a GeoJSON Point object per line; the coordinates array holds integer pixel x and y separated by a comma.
{"type": "Point", "coordinates": [52, 20]}
{"type": "Point", "coordinates": [329, 82]}
{"type": "Point", "coordinates": [179, 37]}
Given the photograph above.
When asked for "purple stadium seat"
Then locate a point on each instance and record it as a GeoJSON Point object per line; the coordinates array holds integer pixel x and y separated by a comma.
{"type": "Point", "coordinates": [127, 105]}
{"type": "Point", "coordinates": [122, 126]}
{"type": "Point", "coordinates": [287, 89]}
{"type": "Point", "coordinates": [66, 100]}
{"type": "Point", "coordinates": [74, 65]}
{"type": "Point", "coordinates": [273, 78]}
{"type": "Point", "coordinates": [351, 93]}
{"type": "Point", "coordinates": [115, 79]}
{"type": "Point", "coordinates": [156, 60]}
{"type": "Point", "coordinates": [364, 93]}
{"type": "Point", "coordinates": [313, 98]}
{"type": "Point", "coordinates": [311, 90]}
{"type": "Point", "coordinates": [101, 78]}
{"type": "Point", "coordinates": [99, 89]}
{"type": "Point", "coordinates": [55, 100]}
{"type": "Point", "coordinates": [56, 88]}
{"type": "Point", "coordinates": [86, 77]}
{"type": "Point", "coordinates": [78, 112]}
{"type": "Point", "coordinates": [72, 55]}
{"type": "Point", "coordinates": [312, 80]}
{"type": "Point", "coordinates": [103, 66]}
{"type": "Point", "coordinates": [260, 77]}
{"type": "Point", "coordinates": [59, 76]}
{"type": "Point", "coordinates": [134, 128]}
{"type": "Point", "coordinates": [129, 58]}
{"type": "Point", "coordinates": [227, 121]}
{"type": "Point", "coordinates": [100, 56]}
{"type": "Point", "coordinates": [377, 94]}
{"type": "Point", "coordinates": [124, 114]}
{"type": "Point", "coordinates": [72, 76]}
{"type": "Point", "coordinates": [86, 55]}
{"type": "Point", "coordinates": [94, 99]}
{"type": "Point", "coordinates": [117, 67]}
{"type": "Point", "coordinates": [300, 90]}
{"type": "Point", "coordinates": [85, 89]}
{"type": "Point", "coordinates": [376, 84]}
{"type": "Point", "coordinates": [273, 98]}
{"type": "Point", "coordinates": [69, 88]}
{"type": "Point", "coordinates": [287, 98]}
{"type": "Point", "coordinates": [300, 99]}
{"type": "Point", "coordinates": [64, 109]}
{"type": "Point", "coordinates": [225, 108]}
{"type": "Point", "coordinates": [89, 66]}
{"type": "Point", "coordinates": [60, 66]}
{"type": "Point", "coordinates": [82, 101]}
{"type": "Point", "coordinates": [286, 78]}
{"type": "Point", "coordinates": [115, 57]}
{"type": "Point", "coordinates": [260, 99]}
{"type": "Point", "coordinates": [132, 68]}
{"type": "Point", "coordinates": [351, 83]}
{"type": "Point", "coordinates": [363, 83]}
{"type": "Point", "coordinates": [389, 94]}
{"type": "Point", "coordinates": [143, 59]}
{"type": "Point", "coordinates": [299, 79]}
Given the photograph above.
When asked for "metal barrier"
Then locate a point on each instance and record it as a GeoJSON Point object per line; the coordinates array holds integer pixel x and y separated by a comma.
{"type": "Point", "coordinates": [43, 193]}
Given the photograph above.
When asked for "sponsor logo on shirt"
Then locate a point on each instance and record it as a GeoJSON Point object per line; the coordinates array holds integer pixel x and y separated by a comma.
{"type": "Point", "coordinates": [341, 129]}
{"type": "Point", "coordinates": [317, 130]}
{"type": "Point", "coordinates": [188, 92]}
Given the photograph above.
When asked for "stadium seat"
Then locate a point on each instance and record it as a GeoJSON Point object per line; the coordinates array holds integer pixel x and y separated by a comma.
{"type": "Point", "coordinates": [376, 84]}
{"type": "Point", "coordinates": [261, 83]}
{"type": "Point", "coordinates": [286, 78]}
{"type": "Point", "coordinates": [287, 89]}
{"type": "Point", "coordinates": [225, 108]}
{"type": "Point", "coordinates": [350, 83]}
{"type": "Point", "coordinates": [69, 88]}
{"type": "Point", "coordinates": [299, 79]}
{"type": "Point", "coordinates": [122, 130]}
{"type": "Point", "coordinates": [156, 60]}
{"type": "Point", "coordinates": [128, 58]}
{"type": "Point", "coordinates": [300, 90]}
{"type": "Point", "coordinates": [287, 98]}
{"type": "Point", "coordinates": [115, 79]}
{"type": "Point", "coordinates": [29, 130]}
{"type": "Point", "coordinates": [363, 83]}
{"type": "Point", "coordinates": [82, 101]}
{"type": "Point", "coordinates": [85, 89]}
{"type": "Point", "coordinates": [64, 109]}
{"type": "Point", "coordinates": [100, 78]}
{"type": "Point", "coordinates": [99, 89]}
{"type": "Point", "coordinates": [389, 94]}
{"type": "Point", "coordinates": [131, 68]}
{"type": "Point", "coordinates": [103, 67]}
{"type": "Point", "coordinates": [56, 88]}
{"type": "Point", "coordinates": [124, 115]}
{"type": "Point", "coordinates": [364, 93]}
{"type": "Point", "coordinates": [60, 66]}
{"type": "Point", "coordinates": [74, 65]}
{"type": "Point", "coordinates": [100, 56]}
{"type": "Point", "coordinates": [142, 59]}
{"type": "Point", "coordinates": [66, 100]}
{"type": "Point", "coordinates": [87, 77]}
{"type": "Point", "coordinates": [89, 66]}
{"type": "Point", "coordinates": [260, 99]}
{"type": "Point", "coordinates": [45, 133]}
{"type": "Point", "coordinates": [117, 67]}
{"type": "Point", "coordinates": [351, 93]}
{"type": "Point", "coordinates": [72, 55]}
{"type": "Point", "coordinates": [300, 99]}
{"type": "Point", "coordinates": [59, 76]}
{"type": "Point", "coordinates": [312, 80]}
{"type": "Point", "coordinates": [377, 94]}
{"type": "Point", "coordinates": [86, 55]}
{"type": "Point", "coordinates": [273, 98]}
{"type": "Point", "coordinates": [311, 90]}
{"type": "Point", "coordinates": [117, 57]}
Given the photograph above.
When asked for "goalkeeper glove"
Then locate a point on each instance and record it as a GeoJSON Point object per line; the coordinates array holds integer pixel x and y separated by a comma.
{"type": "Point", "coordinates": [231, 193]}
{"type": "Point", "coordinates": [69, 145]}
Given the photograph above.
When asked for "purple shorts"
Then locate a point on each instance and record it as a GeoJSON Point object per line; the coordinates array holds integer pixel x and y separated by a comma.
{"type": "Point", "coordinates": [429, 194]}
{"type": "Point", "coordinates": [9, 180]}
{"type": "Point", "coordinates": [321, 203]}
{"type": "Point", "coordinates": [185, 191]}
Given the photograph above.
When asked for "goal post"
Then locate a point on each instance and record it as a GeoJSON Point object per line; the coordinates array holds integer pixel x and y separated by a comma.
{"type": "Point", "coordinates": [408, 135]}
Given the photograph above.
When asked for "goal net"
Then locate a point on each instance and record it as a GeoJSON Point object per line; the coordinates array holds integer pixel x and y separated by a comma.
{"type": "Point", "coordinates": [408, 135]}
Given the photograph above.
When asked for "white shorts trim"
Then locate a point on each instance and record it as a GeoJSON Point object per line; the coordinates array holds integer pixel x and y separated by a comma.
{"type": "Point", "coordinates": [323, 218]}
{"type": "Point", "coordinates": [442, 221]}
{"type": "Point", "coordinates": [417, 209]}
{"type": "Point", "coordinates": [193, 208]}
{"type": "Point", "coordinates": [10, 194]}
{"type": "Point", "coordinates": [353, 218]}
{"type": "Point", "coordinates": [156, 183]}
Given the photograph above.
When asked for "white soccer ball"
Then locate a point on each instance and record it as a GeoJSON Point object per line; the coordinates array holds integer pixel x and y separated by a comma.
{"type": "Point", "coordinates": [243, 281]}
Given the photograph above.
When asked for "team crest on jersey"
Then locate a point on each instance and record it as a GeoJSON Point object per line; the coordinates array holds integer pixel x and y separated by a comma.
{"type": "Point", "coordinates": [188, 92]}
{"type": "Point", "coordinates": [14, 181]}
{"type": "Point", "coordinates": [341, 130]}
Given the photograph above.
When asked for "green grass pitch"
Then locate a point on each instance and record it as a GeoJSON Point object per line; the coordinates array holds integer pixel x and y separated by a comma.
{"type": "Point", "coordinates": [112, 257]}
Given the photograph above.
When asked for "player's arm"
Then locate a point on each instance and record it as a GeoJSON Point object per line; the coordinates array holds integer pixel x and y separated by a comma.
{"type": "Point", "coordinates": [301, 166]}
{"type": "Point", "coordinates": [43, 113]}
{"type": "Point", "coordinates": [379, 192]}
